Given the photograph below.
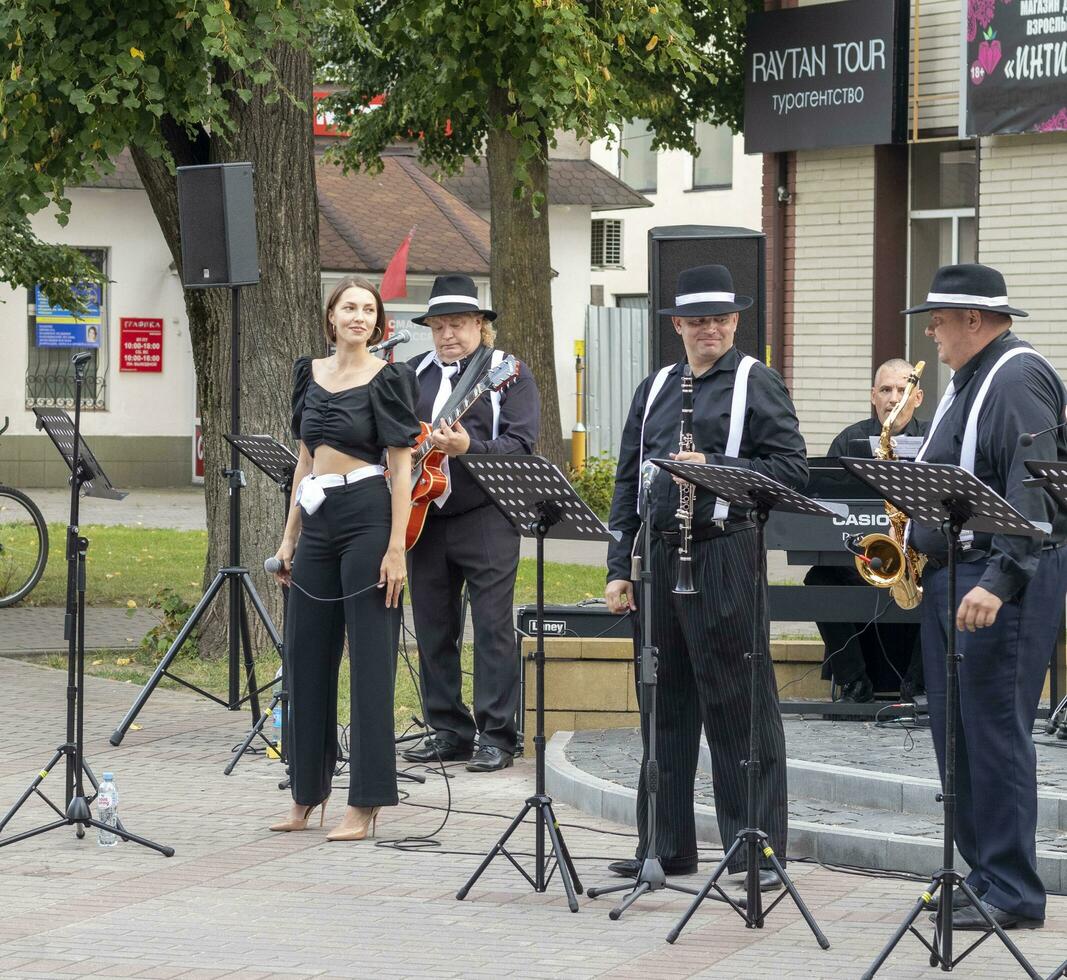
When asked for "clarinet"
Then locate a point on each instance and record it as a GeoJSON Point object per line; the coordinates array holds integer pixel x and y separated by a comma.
{"type": "Point", "coordinates": [686, 492]}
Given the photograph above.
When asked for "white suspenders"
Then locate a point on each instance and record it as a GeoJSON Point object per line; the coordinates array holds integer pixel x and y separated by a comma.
{"type": "Point", "coordinates": [738, 407]}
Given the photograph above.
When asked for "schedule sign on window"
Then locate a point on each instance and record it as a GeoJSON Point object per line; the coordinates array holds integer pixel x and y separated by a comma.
{"type": "Point", "coordinates": [140, 344]}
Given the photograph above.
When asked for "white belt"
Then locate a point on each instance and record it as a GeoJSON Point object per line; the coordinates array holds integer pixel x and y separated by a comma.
{"type": "Point", "coordinates": [310, 492]}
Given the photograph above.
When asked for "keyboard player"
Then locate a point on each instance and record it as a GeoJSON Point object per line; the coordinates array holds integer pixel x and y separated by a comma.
{"type": "Point", "coordinates": [854, 652]}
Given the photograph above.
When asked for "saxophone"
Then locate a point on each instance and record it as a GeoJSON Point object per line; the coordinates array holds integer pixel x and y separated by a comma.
{"type": "Point", "coordinates": [686, 492]}
{"type": "Point", "coordinates": [901, 565]}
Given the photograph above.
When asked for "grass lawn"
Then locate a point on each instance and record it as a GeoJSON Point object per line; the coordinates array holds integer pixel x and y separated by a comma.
{"type": "Point", "coordinates": [136, 563]}
{"type": "Point", "coordinates": [135, 668]}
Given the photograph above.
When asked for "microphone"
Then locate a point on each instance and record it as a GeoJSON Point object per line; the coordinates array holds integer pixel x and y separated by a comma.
{"type": "Point", "coordinates": [273, 565]}
{"type": "Point", "coordinates": [1027, 438]}
{"type": "Point", "coordinates": [648, 475]}
{"type": "Point", "coordinates": [400, 337]}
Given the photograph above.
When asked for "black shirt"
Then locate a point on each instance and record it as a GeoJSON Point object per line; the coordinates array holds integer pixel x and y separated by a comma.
{"type": "Point", "coordinates": [771, 444]}
{"type": "Point", "coordinates": [517, 428]}
{"type": "Point", "coordinates": [361, 421]}
{"type": "Point", "coordinates": [855, 439]}
{"type": "Point", "coordinates": [1025, 396]}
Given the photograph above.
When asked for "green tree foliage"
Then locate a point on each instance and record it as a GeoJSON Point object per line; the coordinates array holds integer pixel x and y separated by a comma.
{"type": "Point", "coordinates": [502, 78]}
{"type": "Point", "coordinates": [177, 82]}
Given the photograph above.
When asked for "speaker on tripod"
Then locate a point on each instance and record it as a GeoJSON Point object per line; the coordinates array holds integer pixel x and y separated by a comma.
{"type": "Point", "coordinates": [672, 248]}
{"type": "Point", "coordinates": [217, 219]}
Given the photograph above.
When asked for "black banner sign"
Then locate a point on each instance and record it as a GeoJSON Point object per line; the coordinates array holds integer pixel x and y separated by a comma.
{"type": "Point", "coordinates": [828, 75]}
{"type": "Point", "coordinates": [1016, 66]}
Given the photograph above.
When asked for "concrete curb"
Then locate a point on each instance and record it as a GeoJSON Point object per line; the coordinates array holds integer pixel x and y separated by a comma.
{"type": "Point", "coordinates": [885, 790]}
{"type": "Point", "coordinates": [828, 845]}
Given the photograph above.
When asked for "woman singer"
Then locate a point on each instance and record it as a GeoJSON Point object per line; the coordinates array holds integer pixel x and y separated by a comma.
{"type": "Point", "coordinates": [342, 553]}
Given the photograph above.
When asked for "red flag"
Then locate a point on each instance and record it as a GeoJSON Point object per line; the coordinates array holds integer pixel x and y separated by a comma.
{"type": "Point", "coordinates": [395, 281]}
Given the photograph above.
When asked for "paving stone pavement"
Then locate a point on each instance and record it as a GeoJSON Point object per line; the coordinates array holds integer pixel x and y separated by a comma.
{"type": "Point", "coordinates": [239, 902]}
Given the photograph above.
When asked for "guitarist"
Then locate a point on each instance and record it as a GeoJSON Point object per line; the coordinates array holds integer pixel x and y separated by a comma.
{"type": "Point", "coordinates": [465, 539]}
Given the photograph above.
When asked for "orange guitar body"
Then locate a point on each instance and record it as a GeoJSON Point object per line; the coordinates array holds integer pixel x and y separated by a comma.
{"type": "Point", "coordinates": [426, 486]}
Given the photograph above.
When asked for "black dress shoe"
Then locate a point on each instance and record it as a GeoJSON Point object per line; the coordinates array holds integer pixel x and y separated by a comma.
{"type": "Point", "coordinates": [490, 758]}
{"type": "Point", "coordinates": [911, 690]}
{"type": "Point", "coordinates": [631, 867]}
{"type": "Point", "coordinates": [438, 750]}
{"type": "Point", "coordinates": [768, 880]}
{"type": "Point", "coordinates": [971, 920]}
{"type": "Point", "coordinates": [859, 691]}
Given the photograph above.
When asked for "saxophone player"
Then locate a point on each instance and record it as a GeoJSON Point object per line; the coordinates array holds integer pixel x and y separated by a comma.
{"type": "Point", "coordinates": [1010, 589]}
{"type": "Point", "coordinates": [741, 415]}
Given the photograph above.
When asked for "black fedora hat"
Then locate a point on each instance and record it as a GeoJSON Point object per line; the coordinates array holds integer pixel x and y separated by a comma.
{"type": "Point", "coordinates": [967, 287]}
{"type": "Point", "coordinates": [706, 290]}
{"type": "Point", "coordinates": [453, 294]}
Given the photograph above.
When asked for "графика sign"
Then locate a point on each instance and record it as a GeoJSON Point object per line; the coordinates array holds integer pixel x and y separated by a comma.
{"type": "Point", "coordinates": [828, 75]}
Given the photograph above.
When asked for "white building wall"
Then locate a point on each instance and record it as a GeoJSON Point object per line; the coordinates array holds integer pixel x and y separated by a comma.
{"type": "Point", "coordinates": [940, 47]}
{"type": "Point", "coordinates": [674, 202]}
{"type": "Point", "coordinates": [138, 404]}
{"type": "Point", "coordinates": [1022, 220]}
{"type": "Point", "coordinates": [832, 298]}
{"type": "Point", "coordinates": [569, 244]}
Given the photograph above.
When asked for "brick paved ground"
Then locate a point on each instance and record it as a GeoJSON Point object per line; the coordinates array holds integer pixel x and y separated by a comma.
{"type": "Point", "coordinates": [239, 902]}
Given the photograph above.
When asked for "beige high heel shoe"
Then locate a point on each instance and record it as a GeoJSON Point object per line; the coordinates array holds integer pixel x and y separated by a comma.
{"type": "Point", "coordinates": [368, 822]}
{"type": "Point", "coordinates": [301, 823]}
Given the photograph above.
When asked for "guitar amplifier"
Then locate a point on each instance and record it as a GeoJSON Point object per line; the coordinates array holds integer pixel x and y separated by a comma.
{"type": "Point", "coordinates": [589, 621]}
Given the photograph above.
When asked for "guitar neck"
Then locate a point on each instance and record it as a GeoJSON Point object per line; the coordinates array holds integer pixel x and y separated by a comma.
{"type": "Point", "coordinates": [461, 409]}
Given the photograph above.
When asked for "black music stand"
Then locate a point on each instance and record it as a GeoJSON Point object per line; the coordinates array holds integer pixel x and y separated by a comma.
{"type": "Point", "coordinates": [760, 495]}
{"type": "Point", "coordinates": [88, 478]}
{"type": "Point", "coordinates": [278, 462]}
{"type": "Point", "coordinates": [651, 876]}
{"type": "Point", "coordinates": [946, 497]}
{"type": "Point", "coordinates": [535, 497]}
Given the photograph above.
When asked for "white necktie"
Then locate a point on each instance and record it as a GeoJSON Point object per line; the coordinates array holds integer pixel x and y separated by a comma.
{"type": "Point", "coordinates": [444, 391]}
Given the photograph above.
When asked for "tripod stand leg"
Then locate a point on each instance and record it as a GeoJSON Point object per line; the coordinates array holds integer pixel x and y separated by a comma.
{"type": "Point", "coordinates": [902, 930]}
{"type": "Point", "coordinates": [497, 848]}
{"type": "Point", "coordinates": [126, 835]}
{"type": "Point", "coordinates": [706, 890]}
{"type": "Point", "coordinates": [996, 928]}
{"type": "Point", "coordinates": [256, 729]}
{"type": "Point", "coordinates": [1060, 971]}
{"type": "Point", "coordinates": [797, 900]}
{"type": "Point", "coordinates": [26, 835]}
{"type": "Point", "coordinates": [563, 858]}
{"type": "Point", "coordinates": [32, 788]}
{"type": "Point", "coordinates": [628, 900]}
{"type": "Point", "coordinates": [168, 658]}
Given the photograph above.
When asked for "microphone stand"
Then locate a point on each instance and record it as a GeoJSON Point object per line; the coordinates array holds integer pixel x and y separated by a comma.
{"type": "Point", "coordinates": [651, 877]}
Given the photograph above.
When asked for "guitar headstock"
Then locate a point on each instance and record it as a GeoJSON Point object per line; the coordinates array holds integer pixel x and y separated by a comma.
{"type": "Point", "coordinates": [503, 374]}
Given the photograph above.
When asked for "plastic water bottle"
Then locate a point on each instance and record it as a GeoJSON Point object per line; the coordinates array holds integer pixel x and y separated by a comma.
{"type": "Point", "coordinates": [276, 719]}
{"type": "Point", "coordinates": [107, 810]}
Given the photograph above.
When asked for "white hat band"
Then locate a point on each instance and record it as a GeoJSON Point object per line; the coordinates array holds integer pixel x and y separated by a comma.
{"type": "Point", "coordinates": [471, 301]}
{"type": "Point", "coordinates": [965, 298]}
{"type": "Point", "coordinates": [686, 298]}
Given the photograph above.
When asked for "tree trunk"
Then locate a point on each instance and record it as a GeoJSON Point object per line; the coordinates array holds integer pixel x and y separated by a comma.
{"type": "Point", "coordinates": [279, 318]}
{"type": "Point", "coordinates": [521, 270]}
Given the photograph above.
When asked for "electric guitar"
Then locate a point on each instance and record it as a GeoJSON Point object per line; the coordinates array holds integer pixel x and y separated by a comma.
{"type": "Point", "coordinates": [428, 479]}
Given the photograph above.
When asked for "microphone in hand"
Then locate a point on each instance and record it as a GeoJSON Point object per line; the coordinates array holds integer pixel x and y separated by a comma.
{"type": "Point", "coordinates": [273, 565]}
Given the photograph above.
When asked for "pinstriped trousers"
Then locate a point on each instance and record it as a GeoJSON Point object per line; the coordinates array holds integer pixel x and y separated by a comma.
{"type": "Point", "coordinates": [703, 680]}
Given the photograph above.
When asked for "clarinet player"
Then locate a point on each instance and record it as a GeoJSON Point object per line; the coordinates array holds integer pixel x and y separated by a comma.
{"type": "Point", "coordinates": [740, 415]}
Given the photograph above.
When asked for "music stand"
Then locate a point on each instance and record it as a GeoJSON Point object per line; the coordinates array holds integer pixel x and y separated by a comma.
{"type": "Point", "coordinates": [651, 876]}
{"type": "Point", "coordinates": [760, 495]}
{"type": "Point", "coordinates": [86, 476]}
{"type": "Point", "coordinates": [278, 462]}
{"type": "Point", "coordinates": [536, 498]}
{"type": "Point", "coordinates": [946, 497]}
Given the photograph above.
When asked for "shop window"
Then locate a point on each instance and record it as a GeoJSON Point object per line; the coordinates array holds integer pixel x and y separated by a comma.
{"type": "Point", "coordinates": [606, 243]}
{"type": "Point", "coordinates": [637, 159]}
{"type": "Point", "coordinates": [713, 168]}
{"type": "Point", "coordinates": [52, 341]}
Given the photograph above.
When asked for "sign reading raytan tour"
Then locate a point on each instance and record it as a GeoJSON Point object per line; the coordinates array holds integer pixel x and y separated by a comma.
{"type": "Point", "coordinates": [829, 75]}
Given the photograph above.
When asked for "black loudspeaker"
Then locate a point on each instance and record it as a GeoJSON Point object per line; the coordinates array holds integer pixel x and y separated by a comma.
{"type": "Point", "coordinates": [673, 248]}
{"type": "Point", "coordinates": [217, 218]}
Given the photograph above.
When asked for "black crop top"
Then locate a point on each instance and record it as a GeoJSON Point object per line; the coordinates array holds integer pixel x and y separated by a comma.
{"type": "Point", "coordinates": [361, 421]}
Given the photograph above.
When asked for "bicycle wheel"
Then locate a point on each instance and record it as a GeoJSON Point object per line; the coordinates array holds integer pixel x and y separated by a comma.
{"type": "Point", "coordinates": [23, 545]}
